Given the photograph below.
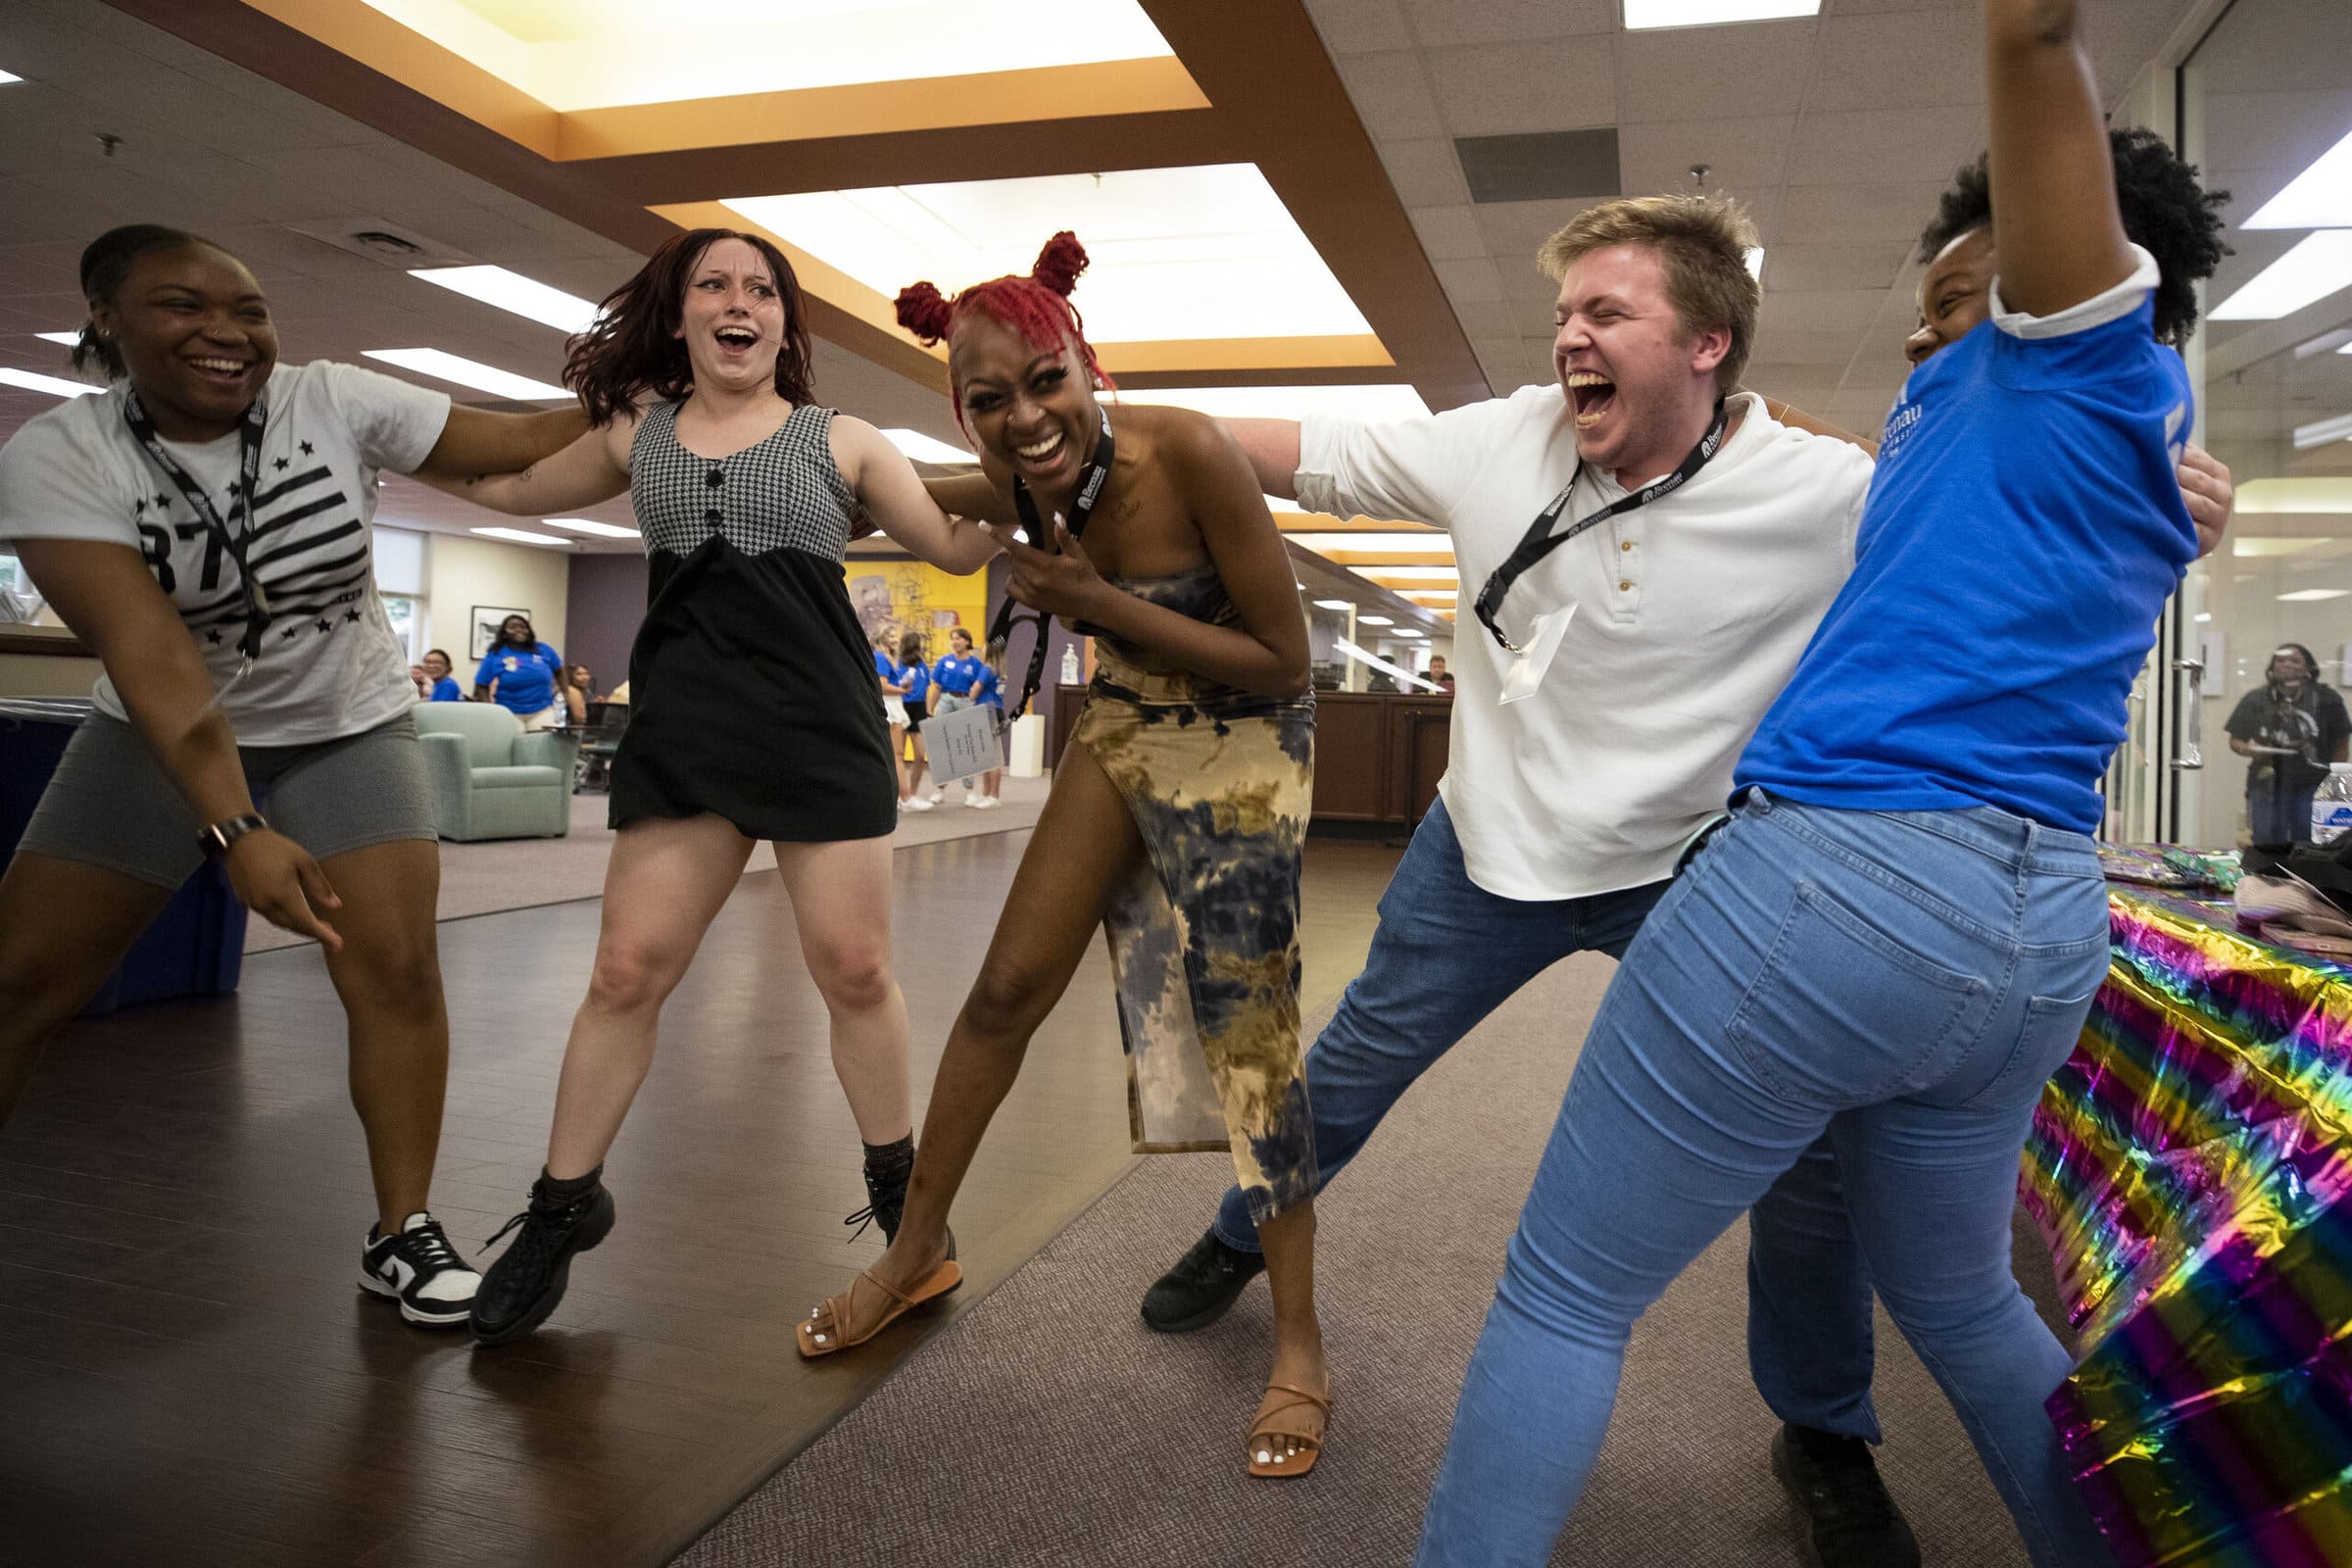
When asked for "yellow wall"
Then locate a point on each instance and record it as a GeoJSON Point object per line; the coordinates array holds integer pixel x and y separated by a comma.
{"type": "Point", "coordinates": [902, 596]}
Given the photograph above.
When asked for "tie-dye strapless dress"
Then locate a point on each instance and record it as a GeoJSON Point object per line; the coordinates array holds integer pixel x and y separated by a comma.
{"type": "Point", "coordinates": [1204, 938]}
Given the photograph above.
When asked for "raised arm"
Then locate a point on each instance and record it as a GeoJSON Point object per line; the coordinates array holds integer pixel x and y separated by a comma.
{"type": "Point", "coordinates": [106, 594]}
{"type": "Point", "coordinates": [479, 441]}
{"type": "Point", "coordinates": [973, 495]}
{"type": "Point", "coordinates": [2057, 232]}
{"type": "Point", "coordinates": [594, 466]}
{"type": "Point", "coordinates": [1272, 448]}
{"type": "Point", "coordinates": [887, 487]}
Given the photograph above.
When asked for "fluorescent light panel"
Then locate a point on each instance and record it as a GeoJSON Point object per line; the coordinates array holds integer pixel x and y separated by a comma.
{"type": "Point", "coordinates": [2318, 266]}
{"type": "Point", "coordinates": [57, 386]}
{"type": "Point", "coordinates": [69, 339]}
{"type": "Point", "coordinates": [1398, 575]}
{"type": "Point", "coordinates": [7, 76]}
{"type": "Point", "coordinates": [2312, 596]}
{"type": "Point", "coordinates": [511, 291]}
{"type": "Point", "coordinates": [1334, 603]}
{"type": "Point", "coordinates": [1377, 403]}
{"type": "Point", "coordinates": [1397, 542]}
{"type": "Point", "coordinates": [2300, 494]}
{"type": "Point", "coordinates": [597, 54]}
{"type": "Point", "coordinates": [2321, 432]}
{"type": "Point", "coordinates": [923, 449]}
{"type": "Point", "coordinates": [1374, 620]}
{"type": "Point", "coordinates": [1756, 262]}
{"type": "Point", "coordinates": [1202, 252]}
{"type": "Point", "coordinates": [523, 536]}
{"type": "Point", "coordinates": [488, 378]}
{"type": "Point", "coordinates": [1639, 14]}
{"type": "Point", "coordinates": [2319, 197]}
{"type": "Point", "coordinates": [603, 530]}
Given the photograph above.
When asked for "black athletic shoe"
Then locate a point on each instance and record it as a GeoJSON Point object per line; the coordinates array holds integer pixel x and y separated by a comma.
{"type": "Point", "coordinates": [418, 1268]}
{"type": "Point", "coordinates": [1204, 1282]}
{"type": "Point", "coordinates": [1851, 1522]}
{"type": "Point", "coordinates": [524, 1285]}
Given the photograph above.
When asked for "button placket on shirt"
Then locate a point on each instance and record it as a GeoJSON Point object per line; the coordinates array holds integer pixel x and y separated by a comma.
{"type": "Point", "coordinates": [1624, 566]}
{"type": "Point", "coordinates": [713, 480]}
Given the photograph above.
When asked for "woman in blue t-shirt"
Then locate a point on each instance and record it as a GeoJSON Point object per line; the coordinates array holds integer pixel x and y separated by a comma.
{"type": "Point", "coordinates": [440, 687]}
{"type": "Point", "coordinates": [956, 685]}
{"type": "Point", "coordinates": [914, 696]}
{"type": "Point", "coordinates": [520, 675]}
{"type": "Point", "coordinates": [1892, 943]}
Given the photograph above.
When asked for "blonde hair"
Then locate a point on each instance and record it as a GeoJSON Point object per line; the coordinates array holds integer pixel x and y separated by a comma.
{"type": "Point", "coordinates": [1701, 241]}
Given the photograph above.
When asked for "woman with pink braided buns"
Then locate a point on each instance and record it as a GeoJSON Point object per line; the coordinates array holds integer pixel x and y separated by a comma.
{"type": "Point", "coordinates": [1178, 812]}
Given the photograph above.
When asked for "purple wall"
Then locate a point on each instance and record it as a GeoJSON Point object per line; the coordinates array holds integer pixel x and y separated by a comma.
{"type": "Point", "coordinates": [604, 602]}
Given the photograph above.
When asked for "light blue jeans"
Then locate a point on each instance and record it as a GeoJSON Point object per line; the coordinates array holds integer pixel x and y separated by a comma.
{"type": "Point", "coordinates": [1446, 954]}
{"type": "Point", "coordinates": [1901, 982]}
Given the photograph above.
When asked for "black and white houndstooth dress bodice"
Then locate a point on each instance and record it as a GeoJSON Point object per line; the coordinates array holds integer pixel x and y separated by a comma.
{"type": "Point", "coordinates": [752, 687]}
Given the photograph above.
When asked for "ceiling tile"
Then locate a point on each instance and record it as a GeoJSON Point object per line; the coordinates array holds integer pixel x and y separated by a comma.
{"type": "Point", "coordinates": [1465, 21]}
{"type": "Point", "coordinates": [1908, 60]}
{"type": "Point", "coordinates": [1360, 26]}
{"type": "Point", "coordinates": [1715, 72]}
{"type": "Point", "coordinates": [1517, 229]}
{"type": "Point", "coordinates": [1426, 174]}
{"type": "Point", "coordinates": [1832, 349]}
{"type": "Point", "coordinates": [1742, 155]}
{"type": "Point", "coordinates": [1392, 95]}
{"type": "Point", "coordinates": [1494, 89]}
{"type": "Point", "coordinates": [1469, 281]}
{"type": "Point", "coordinates": [1827, 311]}
{"type": "Point", "coordinates": [1799, 267]}
{"type": "Point", "coordinates": [1885, 144]}
{"type": "Point", "coordinates": [1448, 234]}
{"type": "Point", "coordinates": [1504, 362]}
{"type": "Point", "coordinates": [1858, 213]}
{"type": "Point", "coordinates": [1487, 317]}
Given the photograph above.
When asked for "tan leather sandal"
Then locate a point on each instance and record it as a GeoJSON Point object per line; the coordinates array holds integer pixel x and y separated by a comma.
{"type": "Point", "coordinates": [829, 1327]}
{"type": "Point", "coordinates": [1266, 1457]}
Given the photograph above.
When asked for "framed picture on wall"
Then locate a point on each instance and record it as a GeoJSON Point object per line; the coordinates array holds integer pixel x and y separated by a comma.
{"type": "Point", "coordinates": [487, 618]}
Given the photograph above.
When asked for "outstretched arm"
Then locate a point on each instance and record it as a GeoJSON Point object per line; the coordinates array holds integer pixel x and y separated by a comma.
{"type": "Point", "coordinates": [1272, 448]}
{"type": "Point", "coordinates": [2057, 230]}
{"type": "Point", "coordinates": [593, 467]}
{"type": "Point", "coordinates": [886, 486]}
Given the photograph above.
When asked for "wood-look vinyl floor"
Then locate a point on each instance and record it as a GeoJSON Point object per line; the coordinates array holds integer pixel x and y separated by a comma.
{"type": "Point", "coordinates": [189, 1376]}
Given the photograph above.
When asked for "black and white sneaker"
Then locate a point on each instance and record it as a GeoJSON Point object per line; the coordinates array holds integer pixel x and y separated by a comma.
{"type": "Point", "coordinates": [419, 1269]}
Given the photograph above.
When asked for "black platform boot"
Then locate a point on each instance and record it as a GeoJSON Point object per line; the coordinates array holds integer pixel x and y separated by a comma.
{"type": "Point", "coordinates": [887, 1168]}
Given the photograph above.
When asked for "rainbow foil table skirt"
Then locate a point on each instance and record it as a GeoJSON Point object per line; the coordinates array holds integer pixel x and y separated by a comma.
{"type": "Point", "coordinates": [2191, 1168]}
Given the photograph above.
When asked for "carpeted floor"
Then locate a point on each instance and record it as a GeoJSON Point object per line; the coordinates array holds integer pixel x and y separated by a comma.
{"type": "Point", "coordinates": [1043, 1425]}
{"type": "Point", "coordinates": [524, 873]}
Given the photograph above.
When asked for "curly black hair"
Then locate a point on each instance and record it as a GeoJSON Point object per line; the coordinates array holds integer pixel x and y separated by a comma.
{"type": "Point", "coordinates": [2165, 211]}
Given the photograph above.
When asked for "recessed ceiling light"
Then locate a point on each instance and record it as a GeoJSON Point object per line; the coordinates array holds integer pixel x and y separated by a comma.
{"type": "Point", "coordinates": [467, 372]}
{"type": "Point", "coordinates": [1334, 603]}
{"type": "Point", "coordinates": [7, 76]}
{"type": "Point", "coordinates": [2319, 432]}
{"type": "Point", "coordinates": [1377, 402]}
{"type": "Point", "coordinates": [2308, 596]}
{"type": "Point", "coordinates": [523, 536]}
{"type": "Point", "coordinates": [923, 449]}
{"type": "Point", "coordinates": [2339, 341]}
{"type": "Point", "coordinates": [1641, 14]}
{"type": "Point", "coordinates": [1374, 620]}
{"type": "Point", "coordinates": [511, 291]}
{"type": "Point", "coordinates": [69, 339]}
{"type": "Point", "coordinates": [608, 530]}
{"type": "Point", "coordinates": [1410, 631]}
{"type": "Point", "coordinates": [2301, 494]}
{"type": "Point", "coordinates": [1756, 262]}
{"type": "Point", "coordinates": [57, 386]}
{"type": "Point", "coordinates": [1208, 250]}
{"type": "Point", "coordinates": [2203, 614]}
{"type": "Point", "coordinates": [2319, 197]}
{"type": "Point", "coordinates": [2318, 266]}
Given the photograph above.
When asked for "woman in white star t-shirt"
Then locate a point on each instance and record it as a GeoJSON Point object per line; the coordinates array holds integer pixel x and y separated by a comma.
{"type": "Point", "coordinates": [203, 525]}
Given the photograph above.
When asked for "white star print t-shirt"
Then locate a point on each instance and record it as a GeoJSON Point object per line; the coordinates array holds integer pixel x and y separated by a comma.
{"type": "Point", "coordinates": [329, 665]}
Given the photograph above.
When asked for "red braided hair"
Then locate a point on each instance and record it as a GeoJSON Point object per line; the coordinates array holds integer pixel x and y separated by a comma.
{"type": "Point", "coordinates": [1038, 307]}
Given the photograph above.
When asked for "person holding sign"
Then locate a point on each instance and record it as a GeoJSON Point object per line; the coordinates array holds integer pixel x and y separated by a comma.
{"type": "Point", "coordinates": [1178, 812]}
{"type": "Point", "coordinates": [961, 681]}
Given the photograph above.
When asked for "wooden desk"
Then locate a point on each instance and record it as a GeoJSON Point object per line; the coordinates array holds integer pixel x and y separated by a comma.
{"type": "Point", "coordinates": [1378, 755]}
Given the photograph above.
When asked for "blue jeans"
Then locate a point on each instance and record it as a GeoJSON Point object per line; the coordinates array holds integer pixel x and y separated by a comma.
{"type": "Point", "coordinates": [1902, 982]}
{"type": "Point", "coordinates": [2277, 814]}
{"type": "Point", "coordinates": [1446, 954]}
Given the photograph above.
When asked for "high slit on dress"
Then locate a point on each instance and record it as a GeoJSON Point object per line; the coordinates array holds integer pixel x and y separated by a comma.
{"type": "Point", "coordinates": [1205, 936]}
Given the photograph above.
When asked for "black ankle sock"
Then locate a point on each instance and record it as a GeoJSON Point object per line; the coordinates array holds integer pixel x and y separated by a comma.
{"type": "Point", "coordinates": [881, 1158]}
{"type": "Point", "coordinates": [570, 1187]}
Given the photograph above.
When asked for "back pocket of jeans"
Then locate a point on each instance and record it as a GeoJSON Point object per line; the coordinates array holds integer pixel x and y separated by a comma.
{"type": "Point", "coordinates": [2045, 1038]}
{"type": "Point", "coordinates": [1841, 1013]}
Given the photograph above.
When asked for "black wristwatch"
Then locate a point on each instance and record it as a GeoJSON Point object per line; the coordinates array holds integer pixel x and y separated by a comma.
{"type": "Point", "coordinates": [215, 840]}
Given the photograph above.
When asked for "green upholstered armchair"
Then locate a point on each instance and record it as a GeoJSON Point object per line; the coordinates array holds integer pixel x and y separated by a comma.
{"type": "Point", "coordinates": [490, 779]}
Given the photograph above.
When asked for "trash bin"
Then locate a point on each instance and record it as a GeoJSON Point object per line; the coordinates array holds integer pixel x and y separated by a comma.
{"type": "Point", "coordinates": [196, 948]}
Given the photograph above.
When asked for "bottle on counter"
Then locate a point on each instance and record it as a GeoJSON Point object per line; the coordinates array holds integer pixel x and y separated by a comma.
{"type": "Point", "coordinates": [2332, 805]}
{"type": "Point", "coordinates": [1071, 676]}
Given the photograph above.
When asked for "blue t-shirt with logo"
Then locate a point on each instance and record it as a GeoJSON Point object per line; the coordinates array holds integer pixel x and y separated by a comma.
{"type": "Point", "coordinates": [445, 690]}
{"type": "Point", "coordinates": [525, 677]}
{"type": "Point", "coordinates": [2022, 535]}
{"type": "Point", "coordinates": [956, 676]}
{"type": "Point", "coordinates": [916, 680]}
{"type": "Point", "coordinates": [986, 690]}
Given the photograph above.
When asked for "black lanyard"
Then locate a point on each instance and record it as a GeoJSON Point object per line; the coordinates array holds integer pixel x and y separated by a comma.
{"type": "Point", "coordinates": [1082, 507]}
{"type": "Point", "coordinates": [250, 430]}
{"type": "Point", "coordinates": [1540, 541]}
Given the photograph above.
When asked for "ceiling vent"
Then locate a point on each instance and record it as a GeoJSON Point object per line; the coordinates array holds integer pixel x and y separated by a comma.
{"type": "Point", "coordinates": [1542, 165]}
{"type": "Point", "coordinates": [387, 244]}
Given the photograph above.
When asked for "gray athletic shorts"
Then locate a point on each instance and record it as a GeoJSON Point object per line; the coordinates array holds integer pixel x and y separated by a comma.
{"type": "Point", "coordinates": [110, 805]}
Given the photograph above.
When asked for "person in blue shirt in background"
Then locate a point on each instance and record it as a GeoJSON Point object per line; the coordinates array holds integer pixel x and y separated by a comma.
{"type": "Point", "coordinates": [1895, 940]}
{"type": "Point", "coordinates": [956, 684]}
{"type": "Point", "coordinates": [914, 682]}
{"type": "Point", "coordinates": [519, 674]}
{"type": "Point", "coordinates": [440, 687]}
